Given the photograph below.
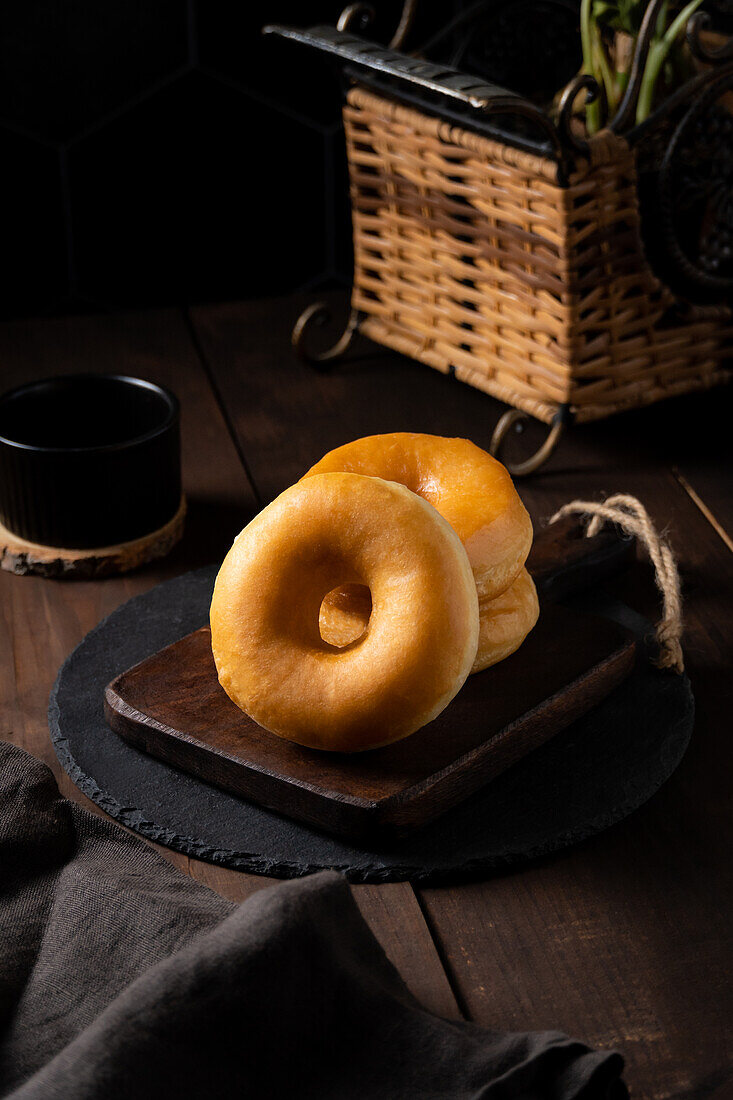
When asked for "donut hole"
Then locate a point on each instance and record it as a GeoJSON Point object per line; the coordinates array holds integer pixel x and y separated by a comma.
{"type": "Point", "coordinates": [344, 614]}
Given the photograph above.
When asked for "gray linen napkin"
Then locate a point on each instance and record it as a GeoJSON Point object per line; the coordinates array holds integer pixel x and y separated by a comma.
{"type": "Point", "coordinates": [120, 977]}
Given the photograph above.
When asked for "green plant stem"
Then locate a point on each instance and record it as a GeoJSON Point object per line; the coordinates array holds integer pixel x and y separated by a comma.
{"type": "Point", "coordinates": [658, 53]}
{"type": "Point", "coordinates": [608, 78]}
{"type": "Point", "coordinates": [593, 110]}
{"type": "Point", "coordinates": [585, 33]}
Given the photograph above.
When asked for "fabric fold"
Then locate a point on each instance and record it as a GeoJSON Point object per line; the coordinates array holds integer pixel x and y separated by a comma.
{"type": "Point", "coordinates": [119, 976]}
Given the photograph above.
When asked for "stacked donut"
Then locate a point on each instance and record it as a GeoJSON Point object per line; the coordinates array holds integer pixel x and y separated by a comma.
{"type": "Point", "coordinates": [351, 610]}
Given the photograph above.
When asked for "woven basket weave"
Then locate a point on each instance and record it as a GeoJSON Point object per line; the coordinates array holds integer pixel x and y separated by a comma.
{"type": "Point", "coordinates": [471, 257]}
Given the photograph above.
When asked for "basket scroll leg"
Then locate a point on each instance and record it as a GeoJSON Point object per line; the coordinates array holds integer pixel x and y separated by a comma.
{"type": "Point", "coordinates": [319, 314]}
{"type": "Point", "coordinates": [529, 465]}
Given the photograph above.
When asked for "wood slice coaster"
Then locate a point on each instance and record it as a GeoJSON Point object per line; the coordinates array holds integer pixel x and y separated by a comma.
{"type": "Point", "coordinates": [22, 557]}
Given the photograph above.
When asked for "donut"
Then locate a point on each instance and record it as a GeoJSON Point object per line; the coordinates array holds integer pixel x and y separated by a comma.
{"type": "Point", "coordinates": [504, 622]}
{"type": "Point", "coordinates": [469, 488]}
{"type": "Point", "coordinates": [419, 644]}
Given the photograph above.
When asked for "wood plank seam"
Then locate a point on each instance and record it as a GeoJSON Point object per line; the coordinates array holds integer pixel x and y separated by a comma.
{"type": "Point", "coordinates": [700, 503]}
{"type": "Point", "coordinates": [450, 976]}
{"type": "Point", "coordinates": [211, 379]}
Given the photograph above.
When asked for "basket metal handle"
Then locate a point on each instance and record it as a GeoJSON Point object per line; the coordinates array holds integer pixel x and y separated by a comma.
{"type": "Point", "coordinates": [364, 56]}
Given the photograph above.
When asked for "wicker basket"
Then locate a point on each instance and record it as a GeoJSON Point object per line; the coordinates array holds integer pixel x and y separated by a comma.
{"type": "Point", "coordinates": [523, 275]}
{"type": "Point", "coordinates": [470, 257]}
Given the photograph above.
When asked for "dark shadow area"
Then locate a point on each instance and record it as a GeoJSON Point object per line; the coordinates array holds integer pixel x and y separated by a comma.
{"type": "Point", "coordinates": [211, 527]}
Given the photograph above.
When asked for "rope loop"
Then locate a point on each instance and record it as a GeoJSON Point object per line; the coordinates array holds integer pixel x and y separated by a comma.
{"type": "Point", "coordinates": [632, 517]}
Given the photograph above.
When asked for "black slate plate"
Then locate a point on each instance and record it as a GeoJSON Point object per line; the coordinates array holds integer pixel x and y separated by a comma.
{"type": "Point", "coordinates": [595, 773]}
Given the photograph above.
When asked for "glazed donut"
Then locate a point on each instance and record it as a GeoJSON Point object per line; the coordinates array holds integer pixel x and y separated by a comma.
{"type": "Point", "coordinates": [504, 622]}
{"type": "Point", "coordinates": [421, 639]}
{"type": "Point", "coordinates": [467, 486]}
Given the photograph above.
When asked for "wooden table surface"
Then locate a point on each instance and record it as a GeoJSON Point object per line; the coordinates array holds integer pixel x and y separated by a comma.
{"type": "Point", "coordinates": [623, 941]}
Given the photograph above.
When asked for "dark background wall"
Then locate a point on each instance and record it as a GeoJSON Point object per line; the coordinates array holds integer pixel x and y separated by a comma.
{"type": "Point", "coordinates": [158, 151]}
{"type": "Point", "coordinates": [163, 151]}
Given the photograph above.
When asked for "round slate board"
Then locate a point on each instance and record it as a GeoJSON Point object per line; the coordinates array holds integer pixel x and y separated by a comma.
{"type": "Point", "coordinates": [593, 774]}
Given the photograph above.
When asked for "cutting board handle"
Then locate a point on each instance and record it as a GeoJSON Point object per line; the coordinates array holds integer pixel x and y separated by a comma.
{"type": "Point", "coordinates": [564, 561]}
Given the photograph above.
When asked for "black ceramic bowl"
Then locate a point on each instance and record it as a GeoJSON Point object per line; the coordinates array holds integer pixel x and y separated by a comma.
{"type": "Point", "coordinates": [88, 460]}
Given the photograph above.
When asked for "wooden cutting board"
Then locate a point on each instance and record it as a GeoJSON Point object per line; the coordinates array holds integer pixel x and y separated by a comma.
{"type": "Point", "coordinates": [171, 706]}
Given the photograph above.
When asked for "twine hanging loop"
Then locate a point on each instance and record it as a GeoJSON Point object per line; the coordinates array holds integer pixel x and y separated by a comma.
{"type": "Point", "coordinates": [631, 516]}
